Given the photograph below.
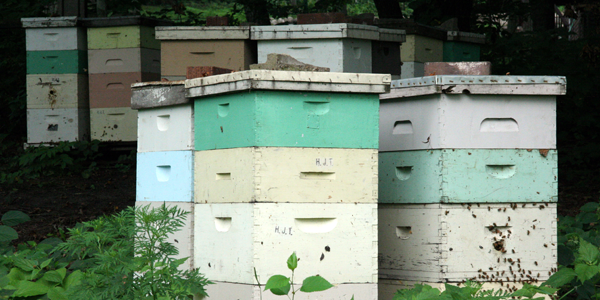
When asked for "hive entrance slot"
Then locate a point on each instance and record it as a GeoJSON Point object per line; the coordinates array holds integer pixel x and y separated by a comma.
{"type": "Point", "coordinates": [223, 176]}
{"type": "Point", "coordinates": [162, 122]}
{"type": "Point", "coordinates": [501, 171]}
{"type": "Point", "coordinates": [163, 173]}
{"type": "Point", "coordinates": [222, 224]}
{"type": "Point", "coordinates": [403, 232]}
{"type": "Point", "coordinates": [403, 127]}
{"type": "Point", "coordinates": [318, 175]}
{"type": "Point", "coordinates": [403, 173]}
{"type": "Point", "coordinates": [315, 225]}
{"type": "Point", "coordinates": [499, 125]}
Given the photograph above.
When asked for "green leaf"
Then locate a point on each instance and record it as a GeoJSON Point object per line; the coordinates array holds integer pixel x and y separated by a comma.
{"type": "Point", "coordinates": [14, 217]}
{"type": "Point", "coordinates": [588, 252]}
{"type": "Point", "coordinates": [292, 262]}
{"type": "Point", "coordinates": [45, 263]}
{"type": "Point", "coordinates": [53, 276]}
{"type": "Point", "coordinates": [25, 264]}
{"type": "Point", "coordinates": [278, 284]}
{"type": "Point", "coordinates": [586, 272]}
{"type": "Point", "coordinates": [560, 278]}
{"type": "Point", "coordinates": [28, 288]}
{"type": "Point", "coordinates": [73, 279]}
{"type": "Point", "coordinates": [589, 207]}
{"type": "Point", "coordinates": [315, 284]}
{"type": "Point", "coordinates": [7, 234]}
{"type": "Point", "coordinates": [57, 293]}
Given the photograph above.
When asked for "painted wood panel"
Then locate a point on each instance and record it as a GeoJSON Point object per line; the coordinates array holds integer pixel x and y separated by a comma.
{"type": "Point", "coordinates": [48, 91]}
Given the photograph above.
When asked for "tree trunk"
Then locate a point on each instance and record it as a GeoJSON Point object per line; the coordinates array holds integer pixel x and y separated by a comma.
{"type": "Point", "coordinates": [388, 9]}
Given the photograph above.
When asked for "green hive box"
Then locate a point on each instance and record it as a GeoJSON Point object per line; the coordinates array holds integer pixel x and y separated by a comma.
{"type": "Point", "coordinates": [278, 109]}
{"type": "Point", "coordinates": [458, 51]}
{"type": "Point", "coordinates": [57, 62]}
{"type": "Point", "coordinates": [468, 176]}
{"type": "Point", "coordinates": [122, 37]}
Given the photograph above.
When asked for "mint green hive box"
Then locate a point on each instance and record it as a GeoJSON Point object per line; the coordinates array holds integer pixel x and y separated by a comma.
{"type": "Point", "coordinates": [262, 108]}
{"type": "Point", "coordinates": [463, 46]}
{"type": "Point", "coordinates": [468, 176]}
{"type": "Point", "coordinates": [57, 62]}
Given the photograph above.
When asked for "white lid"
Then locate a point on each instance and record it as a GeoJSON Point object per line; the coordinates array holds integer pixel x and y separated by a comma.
{"type": "Point", "coordinates": [49, 22]}
{"type": "Point", "coordinates": [202, 32]}
{"type": "Point", "coordinates": [288, 80]}
{"type": "Point", "coordinates": [315, 31]}
{"type": "Point", "coordinates": [478, 84]}
{"type": "Point", "coordinates": [392, 35]}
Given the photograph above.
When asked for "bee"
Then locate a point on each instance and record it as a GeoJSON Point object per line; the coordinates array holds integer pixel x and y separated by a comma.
{"type": "Point", "coordinates": [528, 232]}
{"type": "Point", "coordinates": [509, 219]}
{"type": "Point", "coordinates": [474, 216]}
{"type": "Point", "coordinates": [478, 205]}
{"type": "Point", "coordinates": [505, 259]}
{"type": "Point", "coordinates": [549, 273]}
{"type": "Point", "coordinates": [502, 274]}
{"type": "Point", "coordinates": [506, 225]}
{"type": "Point", "coordinates": [519, 265]}
{"type": "Point", "coordinates": [479, 270]}
{"type": "Point", "coordinates": [491, 269]}
{"type": "Point", "coordinates": [519, 260]}
{"type": "Point", "coordinates": [489, 208]}
{"type": "Point", "coordinates": [523, 204]}
{"type": "Point", "coordinates": [505, 209]}
{"type": "Point", "coordinates": [495, 225]}
{"type": "Point", "coordinates": [499, 209]}
{"type": "Point", "coordinates": [535, 220]}
{"type": "Point", "coordinates": [529, 272]}
{"type": "Point", "coordinates": [546, 245]}
{"type": "Point", "coordinates": [538, 275]}
{"type": "Point", "coordinates": [469, 207]}
{"type": "Point", "coordinates": [535, 263]}
{"type": "Point", "coordinates": [509, 229]}
{"type": "Point", "coordinates": [447, 212]}
{"type": "Point", "coordinates": [513, 250]}
{"type": "Point", "coordinates": [533, 226]}
{"type": "Point", "coordinates": [498, 259]}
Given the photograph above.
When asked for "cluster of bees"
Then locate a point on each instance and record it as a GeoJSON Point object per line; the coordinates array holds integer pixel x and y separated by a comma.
{"type": "Point", "coordinates": [516, 275]}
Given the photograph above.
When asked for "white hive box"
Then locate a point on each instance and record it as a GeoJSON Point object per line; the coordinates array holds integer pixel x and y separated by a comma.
{"type": "Point", "coordinates": [340, 47]}
{"type": "Point", "coordinates": [456, 111]}
{"type": "Point", "coordinates": [442, 242]}
{"type": "Point", "coordinates": [182, 239]}
{"type": "Point", "coordinates": [468, 175]}
{"type": "Point", "coordinates": [124, 60]}
{"type": "Point", "coordinates": [239, 291]}
{"type": "Point", "coordinates": [165, 176]}
{"type": "Point", "coordinates": [165, 116]}
{"type": "Point", "coordinates": [57, 125]}
{"type": "Point", "coordinates": [48, 34]}
{"type": "Point", "coordinates": [286, 174]}
{"type": "Point", "coordinates": [336, 241]}
{"type": "Point", "coordinates": [117, 124]}
{"type": "Point", "coordinates": [388, 287]}
{"type": "Point", "coordinates": [47, 91]}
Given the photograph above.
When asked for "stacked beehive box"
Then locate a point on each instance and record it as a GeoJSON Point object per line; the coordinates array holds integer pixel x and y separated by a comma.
{"type": "Point", "coordinates": [121, 51]}
{"type": "Point", "coordinates": [283, 162]}
{"type": "Point", "coordinates": [227, 47]}
{"type": "Point", "coordinates": [423, 44]}
{"type": "Point", "coordinates": [57, 89]}
{"type": "Point", "coordinates": [463, 46]}
{"type": "Point", "coordinates": [342, 47]}
{"type": "Point", "coordinates": [468, 180]}
{"type": "Point", "coordinates": [165, 152]}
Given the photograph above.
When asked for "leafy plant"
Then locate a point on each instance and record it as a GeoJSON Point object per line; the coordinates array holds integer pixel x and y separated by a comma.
{"type": "Point", "coordinates": [127, 256]}
{"type": "Point", "coordinates": [281, 285]}
{"type": "Point", "coordinates": [471, 290]}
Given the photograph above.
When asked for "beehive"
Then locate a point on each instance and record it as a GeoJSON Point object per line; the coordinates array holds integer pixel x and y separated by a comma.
{"type": "Point", "coordinates": [55, 38]}
{"type": "Point", "coordinates": [49, 91]}
{"type": "Point", "coordinates": [504, 112]}
{"type": "Point", "coordinates": [385, 52]}
{"type": "Point", "coordinates": [165, 116]}
{"type": "Point", "coordinates": [463, 46]}
{"type": "Point", "coordinates": [316, 114]}
{"type": "Point", "coordinates": [57, 62]}
{"type": "Point", "coordinates": [113, 124]}
{"type": "Point", "coordinates": [455, 242]}
{"type": "Point", "coordinates": [57, 125]}
{"type": "Point", "coordinates": [336, 241]}
{"type": "Point", "coordinates": [122, 32]}
{"type": "Point", "coordinates": [468, 175]}
{"type": "Point", "coordinates": [222, 46]}
{"type": "Point", "coordinates": [114, 89]}
{"type": "Point", "coordinates": [340, 47]}
{"type": "Point", "coordinates": [277, 174]}
{"type": "Point", "coordinates": [165, 176]}
{"type": "Point", "coordinates": [127, 60]}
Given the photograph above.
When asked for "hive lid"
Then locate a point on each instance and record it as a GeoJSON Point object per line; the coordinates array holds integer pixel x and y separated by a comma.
{"type": "Point", "coordinates": [124, 21]}
{"type": "Point", "coordinates": [49, 22]}
{"type": "Point", "coordinates": [392, 35]}
{"type": "Point", "coordinates": [203, 32]}
{"type": "Point", "coordinates": [157, 94]}
{"type": "Point", "coordinates": [413, 28]}
{"type": "Point", "coordinates": [477, 84]}
{"type": "Point", "coordinates": [288, 80]}
{"type": "Point", "coordinates": [315, 31]}
{"type": "Point", "coordinates": [468, 37]}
